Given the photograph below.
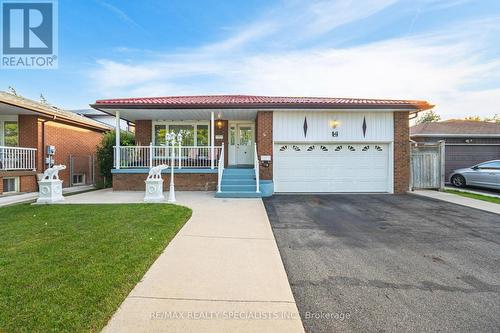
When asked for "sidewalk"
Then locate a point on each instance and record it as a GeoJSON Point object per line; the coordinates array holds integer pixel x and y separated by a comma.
{"type": "Point", "coordinates": [460, 200]}
{"type": "Point", "coordinates": [221, 273]}
{"type": "Point", "coordinates": [32, 196]}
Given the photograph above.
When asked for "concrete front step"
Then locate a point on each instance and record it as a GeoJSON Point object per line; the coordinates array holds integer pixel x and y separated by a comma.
{"type": "Point", "coordinates": [238, 194]}
{"type": "Point", "coordinates": [231, 176]}
{"type": "Point", "coordinates": [238, 182]}
{"type": "Point", "coordinates": [238, 188]}
{"type": "Point", "coordinates": [239, 172]}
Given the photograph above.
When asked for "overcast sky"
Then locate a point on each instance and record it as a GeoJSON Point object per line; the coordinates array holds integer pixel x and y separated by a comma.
{"type": "Point", "coordinates": [443, 51]}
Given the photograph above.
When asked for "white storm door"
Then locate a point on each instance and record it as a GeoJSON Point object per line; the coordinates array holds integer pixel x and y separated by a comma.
{"type": "Point", "coordinates": [244, 144]}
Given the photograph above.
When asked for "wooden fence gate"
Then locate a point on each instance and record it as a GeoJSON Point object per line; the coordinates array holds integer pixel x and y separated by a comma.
{"type": "Point", "coordinates": [427, 165]}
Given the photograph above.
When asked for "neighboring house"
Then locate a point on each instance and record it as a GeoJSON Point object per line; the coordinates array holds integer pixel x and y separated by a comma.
{"type": "Point", "coordinates": [104, 118]}
{"type": "Point", "coordinates": [297, 144]}
{"type": "Point", "coordinates": [467, 142]}
{"type": "Point", "coordinates": [28, 129]}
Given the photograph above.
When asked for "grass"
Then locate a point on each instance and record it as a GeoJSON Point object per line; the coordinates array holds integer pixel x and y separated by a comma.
{"type": "Point", "coordinates": [67, 268]}
{"type": "Point", "coordinates": [475, 196]}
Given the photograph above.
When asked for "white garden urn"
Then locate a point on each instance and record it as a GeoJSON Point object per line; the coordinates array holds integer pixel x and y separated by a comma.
{"type": "Point", "coordinates": [154, 185]}
{"type": "Point", "coordinates": [50, 186]}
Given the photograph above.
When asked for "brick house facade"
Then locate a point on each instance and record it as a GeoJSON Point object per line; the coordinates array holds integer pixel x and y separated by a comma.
{"type": "Point", "coordinates": [364, 143]}
{"type": "Point", "coordinates": [40, 126]}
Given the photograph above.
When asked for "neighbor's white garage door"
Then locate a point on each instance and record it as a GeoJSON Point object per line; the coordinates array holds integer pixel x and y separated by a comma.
{"type": "Point", "coordinates": [331, 168]}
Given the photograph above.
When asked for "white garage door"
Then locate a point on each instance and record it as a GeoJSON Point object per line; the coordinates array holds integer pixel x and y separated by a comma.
{"type": "Point", "coordinates": [331, 167]}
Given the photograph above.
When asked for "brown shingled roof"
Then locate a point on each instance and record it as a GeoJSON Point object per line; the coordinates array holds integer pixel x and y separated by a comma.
{"type": "Point", "coordinates": [456, 127]}
{"type": "Point", "coordinates": [48, 110]}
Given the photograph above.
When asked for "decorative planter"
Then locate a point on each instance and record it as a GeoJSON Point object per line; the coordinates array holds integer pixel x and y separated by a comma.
{"type": "Point", "coordinates": [50, 191]}
{"type": "Point", "coordinates": [154, 190]}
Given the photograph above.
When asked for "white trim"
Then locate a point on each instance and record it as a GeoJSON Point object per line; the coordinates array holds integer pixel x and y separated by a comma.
{"type": "Point", "coordinates": [236, 124]}
{"type": "Point", "coordinates": [391, 168]}
{"type": "Point", "coordinates": [16, 184]}
{"type": "Point", "coordinates": [167, 123]}
{"type": "Point", "coordinates": [4, 119]}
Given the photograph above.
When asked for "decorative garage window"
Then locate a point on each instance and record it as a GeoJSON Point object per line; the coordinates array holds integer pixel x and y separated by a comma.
{"type": "Point", "coordinates": [338, 148]}
{"type": "Point", "coordinates": [351, 148]}
{"type": "Point", "coordinates": [311, 148]}
{"type": "Point", "coordinates": [365, 148]}
{"type": "Point", "coordinates": [296, 148]}
{"type": "Point", "coordinates": [283, 148]}
{"type": "Point", "coordinates": [378, 148]}
{"type": "Point", "coordinates": [323, 148]}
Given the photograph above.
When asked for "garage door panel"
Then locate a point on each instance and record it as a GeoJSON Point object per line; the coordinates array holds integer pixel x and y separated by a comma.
{"type": "Point", "coordinates": [331, 168]}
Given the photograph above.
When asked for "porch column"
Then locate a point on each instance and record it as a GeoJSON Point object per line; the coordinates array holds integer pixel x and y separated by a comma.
{"type": "Point", "coordinates": [117, 144]}
{"type": "Point", "coordinates": [212, 140]}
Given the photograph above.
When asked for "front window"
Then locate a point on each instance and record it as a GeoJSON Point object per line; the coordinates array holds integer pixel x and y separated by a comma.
{"type": "Point", "coordinates": [9, 136]}
{"type": "Point", "coordinates": [193, 134]}
{"type": "Point", "coordinates": [187, 133]}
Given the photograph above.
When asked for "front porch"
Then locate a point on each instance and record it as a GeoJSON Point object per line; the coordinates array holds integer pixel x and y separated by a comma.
{"type": "Point", "coordinates": [212, 144]}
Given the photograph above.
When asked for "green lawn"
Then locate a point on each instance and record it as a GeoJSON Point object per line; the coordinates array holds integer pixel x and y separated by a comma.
{"type": "Point", "coordinates": [475, 196]}
{"type": "Point", "coordinates": [67, 268]}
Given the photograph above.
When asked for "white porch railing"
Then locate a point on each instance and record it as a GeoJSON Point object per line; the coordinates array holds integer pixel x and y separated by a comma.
{"type": "Point", "coordinates": [16, 158]}
{"type": "Point", "coordinates": [149, 156]}
{"type": "Point", "coordinates": [220, 169]}
{"type": "Point", "coordinates": [256, 166]}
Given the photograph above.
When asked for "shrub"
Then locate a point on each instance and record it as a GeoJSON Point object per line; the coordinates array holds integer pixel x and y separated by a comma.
{"type": "Point", "coordinates": [105, 153]}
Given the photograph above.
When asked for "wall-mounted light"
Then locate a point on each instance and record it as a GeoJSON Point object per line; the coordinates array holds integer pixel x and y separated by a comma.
{"type": "Point", "coordinates": [219, 124]}
{"type": "Point", "coordinates": [334, 123]}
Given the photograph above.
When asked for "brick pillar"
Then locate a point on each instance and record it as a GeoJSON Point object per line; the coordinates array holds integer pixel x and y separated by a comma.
{"type": "Point", "coordinates": [223, 130]}
{"type": "Point", "coordinates": [30, 136]}
{"type": "Point", "coordinates": [264, 139]}
{"type": "Point", "coordinates": [1, 185]}
{"type": "Point", "coordinates": [143, 132]}
{"type": "Point", "coordinates": [401, 152]}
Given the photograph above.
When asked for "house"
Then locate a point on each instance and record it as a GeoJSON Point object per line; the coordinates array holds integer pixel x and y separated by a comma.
{"type": "Point", "coordinates": [467, 142]}
{"type": "Point", "coordinates": [257, 145]}
{"type": "Point", "coordinates": [34, 134]}
{"type": "Point", "coordinates": [104, 118]}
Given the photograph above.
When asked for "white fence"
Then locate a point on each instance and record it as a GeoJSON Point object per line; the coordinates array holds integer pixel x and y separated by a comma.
{"type": "Point", "coordinates": [185, 156]}
{"type": "Point", "coordinates": [15, 158]}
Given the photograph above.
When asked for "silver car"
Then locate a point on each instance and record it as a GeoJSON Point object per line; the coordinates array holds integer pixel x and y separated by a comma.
{"type": "Point", "coordinates": [485, 174]}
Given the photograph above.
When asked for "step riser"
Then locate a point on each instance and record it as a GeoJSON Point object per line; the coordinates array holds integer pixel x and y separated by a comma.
{"type": "Point", "coordinates": [238, 188]}
{"type": "Point", "coordinates": [237, 195]}
{"type": "Point", "coordinates": [242, 177]}
{"type": "Point", "coordinates": [242, 173]}
{"type": "Point", "coordinates": [238, 182]}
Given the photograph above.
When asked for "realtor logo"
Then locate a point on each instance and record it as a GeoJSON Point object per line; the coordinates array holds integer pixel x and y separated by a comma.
{"type": "Point", "coordinates": [29, 34]}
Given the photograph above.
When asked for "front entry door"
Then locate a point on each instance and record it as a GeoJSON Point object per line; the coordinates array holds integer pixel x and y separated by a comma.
{"type": "Point", "coordinates": [244, 143]}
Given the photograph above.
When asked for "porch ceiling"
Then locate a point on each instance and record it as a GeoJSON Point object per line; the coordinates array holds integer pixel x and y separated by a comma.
{"type": "Point", "coordinates": [182, 114]}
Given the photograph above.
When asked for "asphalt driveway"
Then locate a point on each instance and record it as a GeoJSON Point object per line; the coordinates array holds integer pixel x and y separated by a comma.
{"type": "Point", "coordinates": [389, 262]}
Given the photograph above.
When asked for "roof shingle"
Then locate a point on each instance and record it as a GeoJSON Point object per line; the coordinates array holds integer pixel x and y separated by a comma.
{"type": "Point", "coordinates": [456, 126]}
{"type": "Point", "coordinates": [262, 101]}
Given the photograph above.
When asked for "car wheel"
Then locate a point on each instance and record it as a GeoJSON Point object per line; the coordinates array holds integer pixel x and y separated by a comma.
{"type": "Point", "coordinates": [458, 181]}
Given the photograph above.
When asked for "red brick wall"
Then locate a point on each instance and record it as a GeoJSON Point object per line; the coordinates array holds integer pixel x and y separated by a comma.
{"type": "Point", "coordinates": [264, 140]}
{"type": "Point", "coordinates": [70, 140]}
{"type": "Point", "coordinates": [143, 132]}
{"type": "Point", "coordinates": [27, 180]}
{"type": "Point", "coordinates": [223, 130]}
{"type": "Point", "coordinates": [183, 181]}
{"type": "Point", "coordinates": [401, 152]}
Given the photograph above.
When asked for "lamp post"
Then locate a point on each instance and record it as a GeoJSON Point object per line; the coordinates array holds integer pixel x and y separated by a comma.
{"type": "Point", "coordinates": [171, 139]}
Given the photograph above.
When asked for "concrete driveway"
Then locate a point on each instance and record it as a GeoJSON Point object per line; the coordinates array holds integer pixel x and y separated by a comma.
{"type": "Point", "coordinates": [389, 263]}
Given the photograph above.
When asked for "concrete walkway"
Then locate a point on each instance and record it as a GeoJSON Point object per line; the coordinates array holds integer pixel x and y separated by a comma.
{"type": "Point", "coordinates": [221, 273]}
{"type": "Point", "coordinates": [460, 200]}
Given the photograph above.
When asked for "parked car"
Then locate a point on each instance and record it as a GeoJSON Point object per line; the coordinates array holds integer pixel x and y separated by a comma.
{"type": "Point", "coordinates": [486, 174]}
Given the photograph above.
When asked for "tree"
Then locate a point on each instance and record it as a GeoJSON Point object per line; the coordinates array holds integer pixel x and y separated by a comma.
{"type": "Point", "coordinates": [428, 117]}
{"type": "Point", "coordinates": [473, 118]}
{"type": "Point", "coordinates": [105, 153]}
{"type": "Point", "coordinates": [494, 119]}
